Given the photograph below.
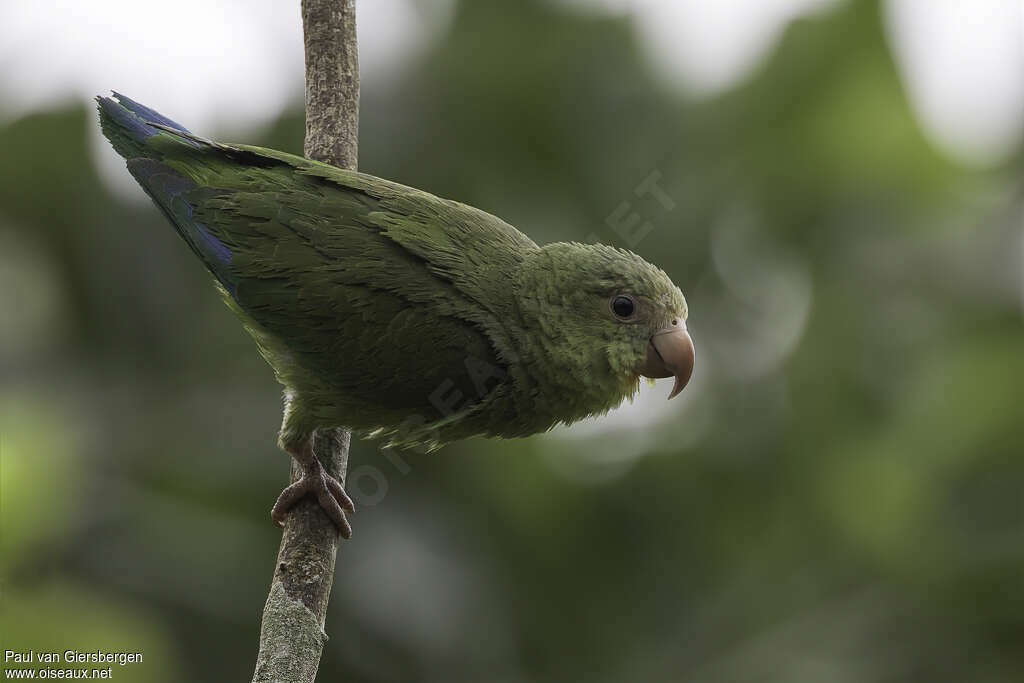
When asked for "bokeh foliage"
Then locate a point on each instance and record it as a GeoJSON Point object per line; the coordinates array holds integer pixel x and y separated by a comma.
{"type": "Point", "coordinates": [837, 498]}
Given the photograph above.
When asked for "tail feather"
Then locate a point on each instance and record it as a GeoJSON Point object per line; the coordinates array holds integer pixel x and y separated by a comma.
{"type": "Point", "coordinates": [128, 126]}
{"type": "Point", "coordinates": [159, 154]}
{"type": "Point", "coordinates": [177, 195]}
{"type": "Point", "coordinates": [145, 113]}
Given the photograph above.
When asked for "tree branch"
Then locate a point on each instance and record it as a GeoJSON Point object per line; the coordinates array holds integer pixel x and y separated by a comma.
{"type": "Point", "coordinates": [332, 81]}
{"type": "Point", "coordinates": [292, 634]}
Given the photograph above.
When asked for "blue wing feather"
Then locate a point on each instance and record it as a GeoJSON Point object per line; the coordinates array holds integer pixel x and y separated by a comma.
{"type": "Point", "coordinates": [175, 194]}
{"type": "Point", "coordinates": [145, 113]}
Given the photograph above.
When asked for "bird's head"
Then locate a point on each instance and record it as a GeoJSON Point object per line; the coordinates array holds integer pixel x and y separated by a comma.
{"type": "Point", "coordinates": [607, 312]}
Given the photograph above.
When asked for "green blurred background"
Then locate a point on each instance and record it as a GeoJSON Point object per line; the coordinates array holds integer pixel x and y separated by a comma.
{"type": "Point", "coordinates": [836, 497]}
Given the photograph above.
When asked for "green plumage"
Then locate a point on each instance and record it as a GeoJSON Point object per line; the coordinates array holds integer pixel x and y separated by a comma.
{"type": "Point", "coordinates": [392, 311]}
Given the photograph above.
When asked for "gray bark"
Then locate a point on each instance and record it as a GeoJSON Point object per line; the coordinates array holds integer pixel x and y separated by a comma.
{"type": "Point", "coordinates": [332, 81]}
{"type": "Point", "coordinates": [292, 635]}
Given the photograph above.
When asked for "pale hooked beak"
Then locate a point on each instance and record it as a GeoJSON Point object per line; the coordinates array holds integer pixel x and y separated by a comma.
{"type": "Point", "coordinates": [670, 353]}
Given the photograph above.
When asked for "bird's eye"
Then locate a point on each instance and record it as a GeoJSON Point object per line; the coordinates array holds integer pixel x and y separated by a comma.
{"type": "Point", "coordinates": [622, 306]}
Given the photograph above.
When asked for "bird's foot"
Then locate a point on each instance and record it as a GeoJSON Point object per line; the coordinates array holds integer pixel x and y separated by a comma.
{"type": "Point", "coordinates": [328, 491]}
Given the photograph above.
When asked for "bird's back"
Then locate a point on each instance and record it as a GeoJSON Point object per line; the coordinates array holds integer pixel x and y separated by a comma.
{"type": "Point", "coordinates": [375, 303]}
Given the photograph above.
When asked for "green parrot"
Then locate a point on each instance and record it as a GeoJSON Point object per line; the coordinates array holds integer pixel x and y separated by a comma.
{"type": "Point", "coordinates": [398, 314]}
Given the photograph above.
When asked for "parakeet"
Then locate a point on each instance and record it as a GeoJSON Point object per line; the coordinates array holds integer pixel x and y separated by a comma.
{"type": "Point", "coordinates": [396, 313]}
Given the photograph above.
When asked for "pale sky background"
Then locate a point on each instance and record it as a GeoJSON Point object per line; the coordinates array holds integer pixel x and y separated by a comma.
{"type": "Point", "coordinates": [215, 65]}
{"type": "Point", "coordinates": [230, 63]}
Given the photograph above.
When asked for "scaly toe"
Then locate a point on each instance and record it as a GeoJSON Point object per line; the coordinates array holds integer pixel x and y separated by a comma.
{"type": "Point", "coordinates": [291, 495]}
{"type": "Point", "coordinates": [330, 506]}
{"type": "Point", "coordinates": [329, 493]}
{"type": "Point", "coordinates": [340, 495]}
